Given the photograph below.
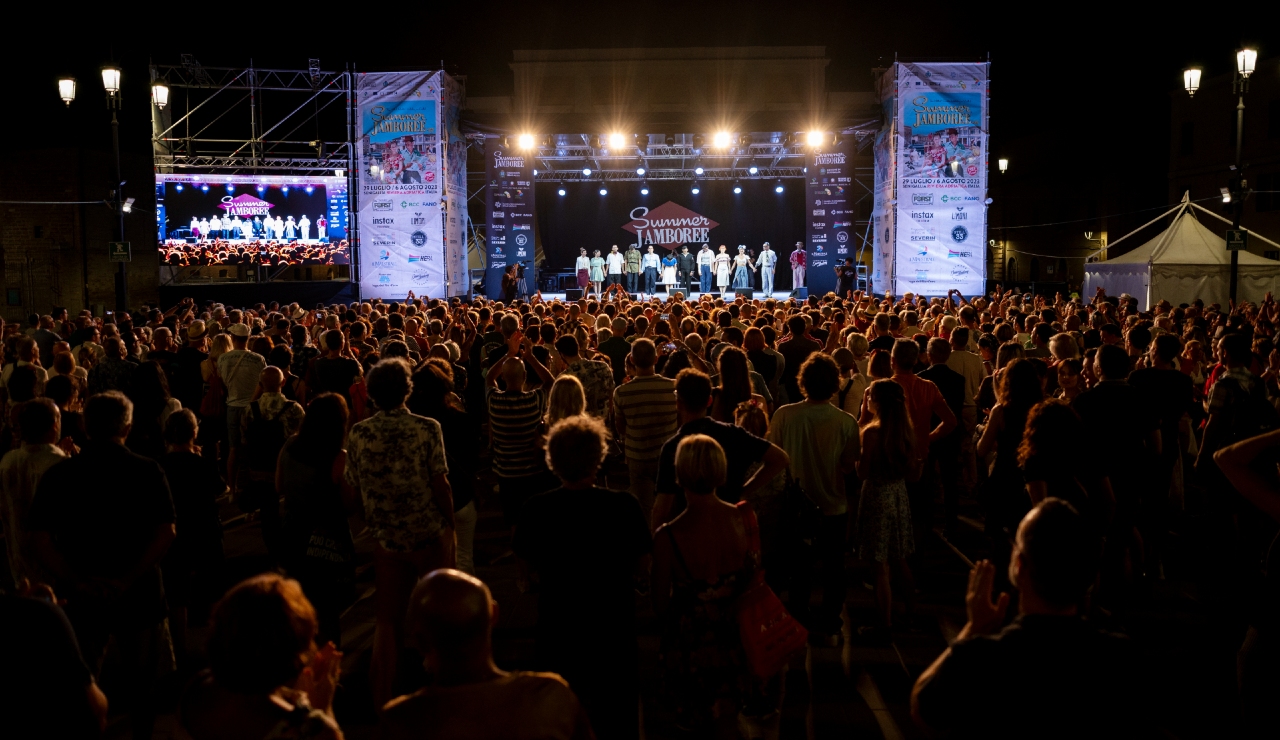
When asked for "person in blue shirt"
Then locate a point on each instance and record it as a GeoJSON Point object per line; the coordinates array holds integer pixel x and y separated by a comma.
{"type": "Point", "coordinates": [669, 272]}
{"type": "Point", "coordinates": [649, 262]}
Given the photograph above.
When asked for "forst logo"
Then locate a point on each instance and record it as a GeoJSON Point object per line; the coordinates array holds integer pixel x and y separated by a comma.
{"type": "Point", "coordinates": [382, 205]}
{"type": "Point", "coordinates": [418, 238]}
{"type": "Point", "coordinates": [924, 199]}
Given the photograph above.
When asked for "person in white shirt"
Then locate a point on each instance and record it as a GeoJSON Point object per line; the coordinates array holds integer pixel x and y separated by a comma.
{"type": "Point", "coordinates": [583, 266]}
{"type": "Point", "coordinates": [246, 229]}
{"type": "Point", "coordinates": [290, 229]}
{"type": "Point", "coordinates": [235, 228]}
{"type": "Point", "coordinates": [766, 261]}
{"type": "Point", "coordinates": [195, 228]}
{"type": "Point", "coordinates": [215, 227]}
{"type": "Point", "coordinates": [204, 228]}
{"type": "Point", "coordinates": [705, 259]}
{"type": "Point", "coordinates": [279, 227]}
{"type": "Point", "coordinates": [305, 227]}
{"type": "Point", "coordinates": [649, 263]}
{"type": "Point", "coordinates": [615, 262]}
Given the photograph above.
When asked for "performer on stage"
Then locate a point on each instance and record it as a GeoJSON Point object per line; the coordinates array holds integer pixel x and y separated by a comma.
{"type": "Point", "coordinates": [846, 275]}
{"type": "Point", "coordinates": [616, 262]}
{"type": "Point", "coordinates": [669, 272]}
{"type": "Point", "coordinates": [583, 266]}
{"type": "Point", "coordinates": [742, 263]}
{"type": "Point", "coordinates": [766, 262]}
{"type": "Point", "coordinates": [204, 228]}
{"type": "Point", "coordinates": [279, 228]}
{"type": "Point", "coordinates": [650, 263]}
{"type": "Point", "coordinates": [705, 260]}
{"type": "Point", "coordinates": [304, 225]}
{"type": "Point", "coordinates": [798, 258]}
{"type": "Point", "coordinates": [597, 272]}
{"type": "Point", "coordinates": [633, 268]}
{"type": "Point", "coordinates": [195, 228]}
{"type": "Point", "coordinates": [215, 228]}
{"type": "Point", "coordinates": [686, 264]}
{"type": "Point", "coordinates": [246, 229]}
{"type": "Point", "coordinates": [290, 229]}
{"type": "Point", "coordinates": [321, 225]}
{"type": "Point", "coordinates": [258, 229]}
{"type": "Point", "coordinates": [723, 260]}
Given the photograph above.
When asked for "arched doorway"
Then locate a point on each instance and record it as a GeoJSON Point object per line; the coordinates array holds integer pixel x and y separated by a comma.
{"type": "Point", "coordinates": [1011, 272]}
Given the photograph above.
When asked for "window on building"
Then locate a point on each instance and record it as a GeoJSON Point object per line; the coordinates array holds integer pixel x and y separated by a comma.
{"type": "Point", "coordinates": [1188, 140]}
{"type": "Point", "coordinates": [1011, 272]}
{"type": "Point", "coordinates": [1265, 197]}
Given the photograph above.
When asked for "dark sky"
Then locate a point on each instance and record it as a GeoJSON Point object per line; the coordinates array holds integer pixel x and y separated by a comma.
{"type": "Point", "coordinates": [1078, 89]}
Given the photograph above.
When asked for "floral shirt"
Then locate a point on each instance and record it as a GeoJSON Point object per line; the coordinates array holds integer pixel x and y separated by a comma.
{"type": "Point", "coordinates": [597, 384]}
{"type": "Point", "coordinates": [391, 459]}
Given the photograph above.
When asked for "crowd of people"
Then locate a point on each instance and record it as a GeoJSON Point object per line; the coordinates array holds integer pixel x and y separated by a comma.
{"type": "Point", "coordinates": [771, 449]}
{"type": "Point", "coordinates": [257, 252]}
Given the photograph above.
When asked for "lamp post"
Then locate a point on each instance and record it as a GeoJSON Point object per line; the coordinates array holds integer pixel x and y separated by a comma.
{"type": "Point", "coordinates": [1246, 61]}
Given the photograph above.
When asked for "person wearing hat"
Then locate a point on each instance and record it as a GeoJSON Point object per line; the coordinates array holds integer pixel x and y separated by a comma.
{"type": "Point", "coordinates": [767, 262]}
{"type": "Point", "coordinates": [798, 258]}
{"type": "Point", "coordinates": [239, 370]}
{"type": "Point", "coordinates": [185, 380]}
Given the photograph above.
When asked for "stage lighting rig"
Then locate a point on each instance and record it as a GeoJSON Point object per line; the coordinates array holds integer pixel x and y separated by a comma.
{"type": "Point", "coordinates": [644, 188]}
{"type": "Point", "coordinates": [561, 192]}
{"type": "Point", "coordinates": [753, 168]}
{"type": "Point", "coordinates": [617, 141]}
{"type": "Point", "coordinates": [737, 187]}
{"type": "Point", "coordinates": [744, 141]}
{"type": "Point", "coordinates": [525, 141]}
{"type": "Point", "coordinates": [586, 172]}
{"type": "Point", "coordinates": [604, 191]}
{"type": "Point", "coordinates": [593, 142]}
{"type": "Point", "coordinates": [698, 141]}
{"type": "Point", "coordinates": [777, 188]}
{"type": "Point", "coordinates": [721, 139]}
{"type": "Point", "coordinates": [697, 187]}
{"type": "Point", "coordinates": [816, 138]}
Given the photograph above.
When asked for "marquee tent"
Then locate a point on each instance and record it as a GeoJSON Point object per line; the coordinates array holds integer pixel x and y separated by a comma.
{"type": "Point", "coordinates": [1184, 262]}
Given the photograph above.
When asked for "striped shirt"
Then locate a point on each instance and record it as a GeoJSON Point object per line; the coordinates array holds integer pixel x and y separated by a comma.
{"type": "Point", "coordinates": [647, 404]}
{"type": "Point", "coordinates": [515, 419]}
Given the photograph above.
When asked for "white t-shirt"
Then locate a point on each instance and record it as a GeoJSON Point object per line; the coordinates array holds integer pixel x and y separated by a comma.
{"type": "Point", "coordinates": [615, 260]}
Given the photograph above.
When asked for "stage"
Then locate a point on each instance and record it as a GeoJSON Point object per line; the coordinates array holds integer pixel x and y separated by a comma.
{"type": "Point", "coordinates": [781, 295]}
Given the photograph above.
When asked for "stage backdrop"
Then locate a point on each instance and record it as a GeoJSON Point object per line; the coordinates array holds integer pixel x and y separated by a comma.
{"type": "Point", "coordinates": [938, 177]}
{"type": "Point", "coordinates": [511, 214]}
{"type": "Point", "coordinates": [181, 198]}
{"type": "Point", "coordinates": [831, 208]}
{"type": "Point", "coordinates": [669, 216]}
{"type": "Point", "coordinates": [409, 168]}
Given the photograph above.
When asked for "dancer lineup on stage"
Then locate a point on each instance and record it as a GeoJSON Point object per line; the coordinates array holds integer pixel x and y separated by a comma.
{"type": "Point", "coordinates": [643, 272]}
{"type": "Point", "coordinates": [204, 230]}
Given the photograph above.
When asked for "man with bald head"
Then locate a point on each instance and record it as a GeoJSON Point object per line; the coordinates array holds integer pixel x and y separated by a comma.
{"type": "Point", "coordinates": [451, 617]}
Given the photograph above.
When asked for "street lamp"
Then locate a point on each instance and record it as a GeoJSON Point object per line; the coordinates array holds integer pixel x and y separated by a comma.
{"type": "Point", "coordinates": [1191, 80]}
{"type": "Point", "coordinates": [111, 84]}
{"type": "Point", "coordinates": [160, 94]}
{"type": "Point", "coordinates": [1004, 165]}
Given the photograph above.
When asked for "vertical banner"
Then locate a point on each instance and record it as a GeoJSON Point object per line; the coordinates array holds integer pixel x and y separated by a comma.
{"type": "Point", "coordinates": [886, 186]}
{"type": "Point", "coordinates": [831, 205]}
{"type": "Point", "coordinates": [457, 277]}
{"type": "Point", "coordinates": [941, 159]}
{"type": "Point", "coordinates": [511, 215]}
{"type": "Point", "coordinates": [401, 228]}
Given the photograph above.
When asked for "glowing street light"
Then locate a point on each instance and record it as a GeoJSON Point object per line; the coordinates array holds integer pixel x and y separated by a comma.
{"type": "Point", "coordinates": [111, 79]}
{"type": "Point", "coordinates": [1191, 80]}
{"type": "Point", "coordinates": [67, 89]}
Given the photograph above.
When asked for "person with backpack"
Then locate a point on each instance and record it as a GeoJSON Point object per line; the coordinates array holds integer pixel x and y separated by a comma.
{"type": "Point", "coordinates": [267, 423]}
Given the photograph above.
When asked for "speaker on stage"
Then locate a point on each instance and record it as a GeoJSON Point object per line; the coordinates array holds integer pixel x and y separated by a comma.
{"type": "Point", "coordinates": [800, 294]}
{"type": "Point", "coordinates": [747, 293]}
{"type": "Point", "coordinates": [573, 294]}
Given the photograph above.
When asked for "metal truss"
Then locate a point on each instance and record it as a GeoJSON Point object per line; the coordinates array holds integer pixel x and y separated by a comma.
{"type": "Point", "coordinates": [241, 165]}
{"type": "Point", "coordinates": [685, 173]}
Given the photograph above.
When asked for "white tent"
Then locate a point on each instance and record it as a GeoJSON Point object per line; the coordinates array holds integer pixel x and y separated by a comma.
{"type": "Point", "coordinates": [1184, 262]}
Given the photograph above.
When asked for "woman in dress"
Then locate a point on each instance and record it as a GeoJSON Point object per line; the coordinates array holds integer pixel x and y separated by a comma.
{"type": "Point", "coordinates": [703, 562]}
{"type": "Point", "coordinates": [669, 272]}
{"type": "Point", "coordinates": [597, 272]}
{"type": "Point", "coordinates": [583, 266]}
{"type": "Point", "coordinates": [721, 266]}
{"type": "Point", "coordinates": [884, 511]}
{"type": "Point", "coordinates": [741, 264]}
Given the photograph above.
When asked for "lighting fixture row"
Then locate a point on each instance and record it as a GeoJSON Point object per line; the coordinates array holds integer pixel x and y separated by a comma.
{"type": "Point", "coordinates": [695, 189]}
{"type": "Point", "coordinates": [719, 140]}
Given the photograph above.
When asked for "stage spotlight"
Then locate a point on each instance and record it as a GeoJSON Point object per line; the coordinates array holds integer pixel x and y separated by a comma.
{"type": "Point", "coordinates": [505, 142]}
{"type": "Point", "coordinates": [525, 141]}
{"type": "Point", "coordinates": [285, 189]}
{"type": "Point", "coordinates": [640, 170]}
{"type": "Point", "coordinates": [698, 141]}
{"type": "Point", "coordinates": [753, 168]}
{"type": "Point", "coordinates": [535, 172]}
{"type": "Point", "coordinates": [778, 188]}
{"type": "Point", "coordinates": [816, 138]}
{"type": "Point", "coordinates": [644, 188]}
{"type": "Point", "coordinates": [231, 188]}
{"type": "Point", "coordinates": [744, 141]}
{"type": "Point", "coordinates": [560, 192]}
{"type": "Point", "coordinates": [127, 206]}
{"type": "Point", "coordinates": [697, 170]}
{"type": "Point", "coordinates": [204, 188]}
{"type": "Point", "coordinates": [262, 188]}
{"type": "Point", "coordinates": [697, 187]}
{"type": "Point", "coordinates": [309, 190]}
{"type": "Point", "coordinates": [179, 187]}
{"type": "Point", "coordinates": [737, 187]}
{"type": "Point", "coordinates": [617, 141]}
{"type": "Point", "coordinates": [721, 139]}
{"type": "Point", "coordinates": [642, 141]}
{"type": "Point", "coordinates": [594, 142]}
{"type": "Point", "coordinates": [586, 172]}
{"type": "Point", "coordinates": [670, 140]}
{"type": "Point", "coordinates": [604, 191]}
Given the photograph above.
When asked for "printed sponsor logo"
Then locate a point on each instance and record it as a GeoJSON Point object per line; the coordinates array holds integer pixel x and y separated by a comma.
{"type": "Point", "coordinates": [421, 278]}
{"type": "Point", "coordinates": [498, 214]}
{"type": "Point", "coordinates": [817, 249]}
{"type": "Point", "coordinates": [829, 158]}
{"type": "Point", "coordinates": [817, 203]}
{"type": "Point", "coordinates": [842, 225]}
{"type": "Point", "coordinates": [819, 263]}
{"type": "Point", "coordinates": [959, 234]}
{"type": "Point", "coordinates": [521, 253]}
{"type": "Point", "coordinates": [842, 250]}
{"type": "Point", "coordinates": [521, 240]}
{"type": "Point", "coordinates": [522, 227]}
{"type": "Point", "coordinates": [959, 215]}
{"type": "Point", "coordinates": [497, 240]}
{"type": "Point", "coordinates": [501, 159]}
{"type": "Point", "coordinates": [819, 225]}
{"type": "Point", "coordinates": [922, 276]}
{"type": "Point", "coordinates": [419, 238]}
{"type": "Point", "coordinates": [382, 243]}
{"type": "Point", "coordinates": [419, 258]}
{"type": "Point", "coordinates": [407, 204]}
{"type": "Point", "coordinates": [922, 238]}
{"type": "Point", "coordinates": [495, 265]}
{"type": "Point", "coordinates": [954, 253]}
{"type": "Point", "coordinates": [383, 221]}
{"type": "Point", "coordinates": [959, 271]}
{"type": "Point", "coordinates": [922, 215]}
{"type": "Point", "coordinates": [382, 205]}
{"type": "Point", "coordinates": [384, 279]}
{"type": "Point", "coordinates": [820, 212]}
{"type": "Point", "coordinates": [418, 221]}
{"type": "Point", "coordinates": [497, 227]}
{"type": "Point", "coordinates": [819, 238]}
{"type": "Point", "coordinates": [924, 199]}
{"type": "Point", "coordinates": [842, 236]}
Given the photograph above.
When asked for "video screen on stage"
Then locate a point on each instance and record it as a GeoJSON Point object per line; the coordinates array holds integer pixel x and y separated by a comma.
{"type": "Point", "coordinates": [669, 216]}
{"type": "Point", "coordinates": [252, 220]}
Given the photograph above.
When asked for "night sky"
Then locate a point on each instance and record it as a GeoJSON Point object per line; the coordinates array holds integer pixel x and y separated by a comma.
{"type": "Point", "coordinates": [1079, 93]}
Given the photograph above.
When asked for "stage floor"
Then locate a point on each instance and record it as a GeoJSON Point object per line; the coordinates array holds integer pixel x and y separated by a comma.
{"type": "Point", "coordinates": [758, 295]}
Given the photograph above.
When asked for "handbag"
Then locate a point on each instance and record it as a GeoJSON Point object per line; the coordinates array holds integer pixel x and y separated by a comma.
{"type": "Point", "coordinates": [769, 634]}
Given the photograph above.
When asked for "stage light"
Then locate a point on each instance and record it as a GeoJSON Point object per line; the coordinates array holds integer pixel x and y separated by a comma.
{"type": "Point", "coordinates": [698, 170]}
{"type": "Point", "coordinates": [285, 189]}
{"type": "Point", "coordinates": [617, 141]}
{"type": "Point", "coordinates": [127, 206]}
{"type": "Point", "coordinates": [642, 142]}
{"type": "Point", "coordinates": [669, 140]}
{"type": "Point", "coordinates": [737, 187]}
{"type": "Point", "coordinates": [816, 138]}
{"type": "Point", "coordinates": [594, 142]}
{"type": "Point", "coordinates": [231, 188]}
{"type": "Point", "coordinates": [778, 188]}
{"type": "Point", "coordinates": [721, 139]}
{"type": "Point", "coordinates": [204, 188]}
{"type": "Point", "coordinates": [111, 80]}
{"type": "Point", "coordinates": [160, 95]}
{"type": "Point", "coordinates": [560, 192]}
{"type": "Point", "coordinates": [697, 187]}
{"type": "Point", "coordinates": [644, 188]}
{"type": "Point", "coordinates": [309, 189]}
{"type": "Point", "coordinates": [1245, 61]}
{"type": "Point", "coordinates": [1191, 80]}
{"type": "Point", "coordinates": [604, 191]}
{"type": "Point", "coordinates": [67, 89]}
{"type": "Point", "coordinates": [262, 188]}
{"type": "Point", "coordinates": [179, 187]}
{"type": "Point", "coordinates": [698, 141]}
{"type": "Point", "coordinates": [640, 170]}
{"type": "Point", "coordinates": [586, 172]}
{"type": "Point", "coordinates": [753, 169]}
{"type": "Point", "coordinates": [1226, 195]}
{"type": "Point", "coordinates": [535, 173]}
{"type": "Point", "coordinates": [525, 141]}
{"type": "Point", "coordinates": [1004, 165]}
